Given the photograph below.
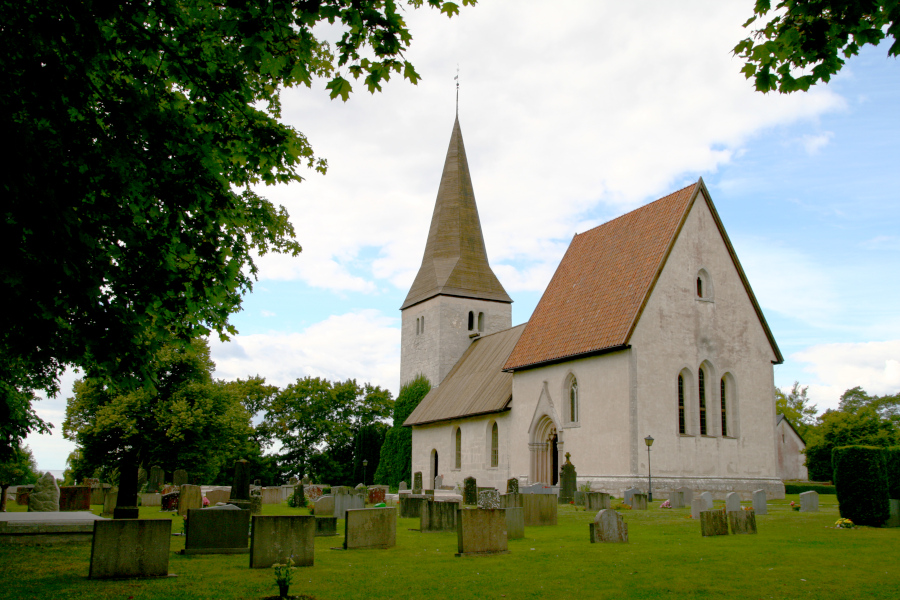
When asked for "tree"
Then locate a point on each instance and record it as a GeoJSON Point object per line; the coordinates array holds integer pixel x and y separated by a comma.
{"type": "Point", "coordinates": [887, 407]}
{"type": "Point", "coordinates": [19, 469]}
{"type": "Point", "coordinates": [396, 453]}
{"type": "Point", "coordinates": [367, 447]}
{"type": "Point", "coordinates": [795, 406]}
{"type": "Point", "coordinates": [810, 36]}
{"type": "Point", "coordinates": [139, 127]}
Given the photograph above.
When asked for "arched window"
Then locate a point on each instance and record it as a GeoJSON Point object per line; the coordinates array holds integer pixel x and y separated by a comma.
{"type": "Point", "coordinates": [704, 285]}
{"type": "Point", "coordinates": [495, 446]}
{"type": "Point", "coordinates": [418, 326]}
{"type": "Point", "coordinates": [458, 448]}
{"type": "Point", "coordinates": [423, 323]}
{"type": "Point", "coordinates": [471, 320]}
{"type": "Point", "coordinates": [573, 401]}
{"type": "Point", "coordinates": [699, 287]}
{"type": "Point", "coordinates": [682, 428]}
{"type": "Point", "coordinates": [722, 387]}
{"type": "Point", "coordinates": [702, 388]}
{"type": "Point", "coordinates": [481, 321]}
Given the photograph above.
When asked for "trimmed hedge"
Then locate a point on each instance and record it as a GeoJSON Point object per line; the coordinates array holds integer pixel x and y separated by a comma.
{"type": "Point", "coordinates": [799, 488]}
{"type": "Point", "coordinates": [861, 482]}
{"type": "Point", "coordinates": [892, 466]}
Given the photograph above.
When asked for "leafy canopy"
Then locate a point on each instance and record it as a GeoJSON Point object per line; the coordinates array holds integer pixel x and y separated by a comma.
{"type": "Point", "coordinates": [804, 42]}
{"type": "Point", "coordinates": [796, 407]}
{"type": "Point", "coordinates": [395, 464]}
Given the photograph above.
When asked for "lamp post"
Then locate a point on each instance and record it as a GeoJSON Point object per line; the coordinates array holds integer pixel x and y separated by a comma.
{"type": "Point", "coordinates": [365, 464]}
{"type": "Point", "coordinates": [649, 441]}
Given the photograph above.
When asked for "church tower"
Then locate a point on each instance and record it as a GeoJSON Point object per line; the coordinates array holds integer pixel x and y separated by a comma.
{"type": "Point", "coordinates": [455, 297]}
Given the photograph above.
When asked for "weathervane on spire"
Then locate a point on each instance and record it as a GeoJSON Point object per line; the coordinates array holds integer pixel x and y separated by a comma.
{"type": "Point", "coordinates": [457, 89]}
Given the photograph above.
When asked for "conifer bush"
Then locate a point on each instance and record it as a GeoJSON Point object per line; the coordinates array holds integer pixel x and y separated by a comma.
{"type": "Point", "coordinates": [395, 464]}
{"type": "Point", "coordinates": [892, 467]}
{"type": "Point", "coordinates": [861, 482]}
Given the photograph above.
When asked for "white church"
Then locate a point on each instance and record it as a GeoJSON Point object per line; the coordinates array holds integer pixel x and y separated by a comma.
{"type": "Point", "coordinates": [648, 328]}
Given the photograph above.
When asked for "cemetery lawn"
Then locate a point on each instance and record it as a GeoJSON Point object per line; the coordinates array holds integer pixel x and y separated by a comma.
{"type": "Point", "coordinates": [795, 555]}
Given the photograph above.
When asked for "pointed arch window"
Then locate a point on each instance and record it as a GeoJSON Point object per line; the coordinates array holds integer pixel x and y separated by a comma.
{"type": "Point", "coordinates": [471, 320]}
{"type": "Point", "coordinates": [682, 428]}
{"type": "Point", "coordinates": [702, 389]}
{"type": "Point", "coordinates": [495, 445]}
{"type": "Point", "coordinates": [417, 327]}
{"type": "Point", "coordinates": [458, 448]}
{"type": "Point", "coordinates": [722, 388]}
{"type": "Point", "coordinates": [573, 400]}
{"type": "Point", "coordinates": [423, 323]}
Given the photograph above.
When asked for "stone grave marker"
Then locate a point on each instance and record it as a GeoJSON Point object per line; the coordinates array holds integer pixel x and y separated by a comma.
{"type": "Point", "coordinates": [742, 521]}
{"type": "Point", "coordinates": [628, 496]}
{"type": "Point", "coordinates": [515, 522]}
{"type": "Point", "coordinates": [346, 499]}
{"type": "Point", "coordinates": [732, 501]}
{"type": "Point", "coordinates": [512, 486]}
{"type": "Point", "coordinates": [44, 497]}
{"type": "Point", "coordinates": [687, 495]}
{"type": "Point", "coordinates": [98, 492]}
{"type": "Point", "coordinates": [438, 482]}
{"type": "Point", "coordinates": [411, 505]}
{"type": "Point", "coordinates": [376, 494]}
{"type": "Point", "coordinates": [128, 548]}
{"type": "Point", "coordinates": [153, 499]}
{"type": "Point", "coordinates": [759, 502]}
{"type": "Point", "coordinates": [217, 531]}
{"type": "Point", "coordinates": [169, 501]}
{"type": "Point", "coordinates": [639, 501]}
{"type": "Point", "coordinates": [489, 499]}
{"type": "Point", "coordinates": [608, 527]}
{"type": "Point", "coordinates": [370, 528]}
{"type": "Point", "coordinates": [402, 486]}
{"type": "Point", "coordinates": [481, 532]}
{"type": "Point", "coordinates": [22, 494]}
{"type": "Point", "coordinates": [809, 502]}
{"type": "Point", "coordinates": [74, 497]}
{"type": "Point", "coordinates": [713, 522]}
{"type": "Point", "coordinates": [540, 509]}
{"type": "Point", "coordinates": [438, 516]}
{"type": "Point", "coordinates": [109, 501]}
{"type": "Point", "coordinates": [707, 497]}
{"type": "Point", "coordinates": [697, 507]}
{"type": "Point", "coordinates": [276, 539]}
{"type": "Point", "coordinates": [511, 500]}
{"type": "Point", "coordinates": [218, 495]}
{"type": "Point", "coordinates": [156, 479]}
{"type": "Point", "coordinates": [596, 501]}
{"type": "Point", "coordinates": [417, 482]}
{"type": "Point", "coordinates": [190, 496]}
{"type": "Point", "coordinates": [271, 495]}
{"type": "Point", "coordinates": [470, 491]}
{"type": "Point", "coordinates": [313, 492]}
{"type": "Point", "coordinates": [180, 478]}
{"type": "Point", "coordinates": [326, 526]}
{"type": "Point", "coordinates": [240, 487]}
{"type": "Point", "coordinates": [567, 481]}
{"type": "Point", "coordinates": [325, 506]}
{"type": "Point", "coordinates": [676, 499]}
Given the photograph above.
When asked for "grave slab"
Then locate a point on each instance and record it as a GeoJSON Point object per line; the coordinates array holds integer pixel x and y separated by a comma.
{"type": "Point", "coordinates": [438, 516]}
{"type": "Point", "coordinates": [326, 526]}
{"type": "Point", "coordinates": [74, 497]}
{"type": "Point", "coordinates": [150, 499]}
{"type": "Point", "coordinates": [370, 528]}
{"type": "Point", "coordinates": [809, 502]}
{"type": "Point", "coordinates": [276, 539]}
{"type": "Point", "coordinates": [130, 548]}
{"type": "Point", "coordinates": [515, 523]}
{"type": "Point", "coordinates": [214, 531]}
{"type": "Point", "coordinates": [742, 521]}
{"type": "Point", "coordinates": [596, 501]}
{"type": "Point", "coordinates": [489, 499]}
{"type": "Point", "coordinates": [639, 502]}
{"type": "Point", "coordinates": [676, 499]}
{"type": "Point", "coordinates": [481, 532]}
{"type": "Point", "coordinates": [708, 498]}
{"type": "Point", "coordinates": [713, 522]}
{"type": "Point", "coordinates": [687, 495]}
{"type": "Point", "coordinates": [540, 509]}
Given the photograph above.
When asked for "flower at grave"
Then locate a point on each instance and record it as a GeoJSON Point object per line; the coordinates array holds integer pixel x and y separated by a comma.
{"type": "Point", "coordinates": [666, 504]}
{"type": "Point", "coordinates": [284, 576]}
{"type": "Point", "coordinates": [205, 501]}
{"type": "Point", "coordinates": [844, 524]}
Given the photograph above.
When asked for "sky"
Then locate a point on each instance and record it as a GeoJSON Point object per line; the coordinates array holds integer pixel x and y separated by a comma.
{"type": "Point", "coordinates": [572, 114]}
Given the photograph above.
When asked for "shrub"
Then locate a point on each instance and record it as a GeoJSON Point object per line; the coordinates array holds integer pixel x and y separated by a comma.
{"type": "Point", "coordinates": [892, 469]}
{"type": "Point", "coordinates": [799, 488]}
{"type": "Point", "coordinates": [395, 464]}
{"type": "Point", "coordinates": [861, 482]}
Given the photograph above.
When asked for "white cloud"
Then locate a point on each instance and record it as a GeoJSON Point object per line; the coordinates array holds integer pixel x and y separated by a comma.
{"type": "Point", "coordinates": [267, 313]}
{"type": "Point", "coordinates": [813, 143]}
{"type": "Point", "coordinates": [874, 366]}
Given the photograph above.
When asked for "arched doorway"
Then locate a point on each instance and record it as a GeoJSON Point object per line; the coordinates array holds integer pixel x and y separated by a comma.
{"type": "Point", "coordinates": [545, 452]}
{"type": "Point", "coordinates": [434, 469]}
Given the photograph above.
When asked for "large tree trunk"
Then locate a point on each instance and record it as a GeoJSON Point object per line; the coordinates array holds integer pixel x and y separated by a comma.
{"type": "Point", "coordinates": [3, 487]}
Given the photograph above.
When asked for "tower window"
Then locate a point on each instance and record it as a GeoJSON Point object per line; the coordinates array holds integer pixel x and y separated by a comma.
{"type": "Point", "coordinates": [481, 321]}
{"type": "Point", "coordinates": [471, 320]}
{"type": "Point", "coordinates": [682, 429]}
{"type": "Point", "coordinates": [495, 446]}
{"type": "Point", "coordinates": [702, 386]}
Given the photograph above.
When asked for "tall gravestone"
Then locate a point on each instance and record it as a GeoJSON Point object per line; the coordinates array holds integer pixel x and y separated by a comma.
{"type": "Point", "coordinates": [403, 486]}
{"type": "Point", "coordinates": [179, 478]}
{"type": "Point", "coordinates": [45, 495]}
{"type": "Point", "coordinates": [156, 479]}
{"type": "Point", "coordinates": [540, 509]}
{"type": "Point", "coordinates": [628, 496]}
{"type": "Point", "coordinates": [189, 497]}
{"type": "Point", "coordinates": [515, 522]}
{"type": "Point", "coordinates": [470, 491]}
{"type": "Point", "coordinates": [596, 501]}
{"type": "Point", "coordinates": [687, 495]}
{"type": "Point", "coordinates": [325, 506]}
{"type": "Point", "coordinates": [759, 502]}
{"type": "Point", "coordinates": [417, 482]}
{"type": "Point", "coordinates": [512, 486]}
{"type": "Point", "coordinates": [708, 499]}
{"type": "Point", "coordinates": [438, 482]}
{"type": "Point", "coordinates": [567, 481]}
{"type": "Point", "coordinates": [676, 499]}
{"type": "Point", "coordinates": [732, 502]}
{"type": "Point", "coordinates": [240, 488]}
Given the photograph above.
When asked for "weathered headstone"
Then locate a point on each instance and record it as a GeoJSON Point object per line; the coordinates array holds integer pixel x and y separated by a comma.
{"type": "Point", "coordinates": [697, 507]}
{"type": "Point", "coordinates": [707, 497]}
{"type": "Point", "coordinates": [470, 491]}
{"type": "Point", "coordinates": [732, 501]}
{"type": "Point", "coordinates": [511, 500]}
{"type": "Point", "coordinates": [687, 495]}
{"type": "Point", "coordinates": [713, 522]}
{"type": "Point", "coordinates": [128, 548]}
{"type": "Point", "coordinates": [216, 496]}
{"type": "Point", "coordinates": [403, 486]}
{"type": "Point", "coordinates": [346, 499]}
{"type": "Point", "coordinates": [376, 494]}
{"type": "Point", "coordinates": [23, 492]}
{"type": "Point", "coordinates": [438, 516]}
{"type": "Point", "coordinates": [596, 501]}
{"type": "Point", "coordinates": [809, 502]}
{"type": "Point", "coordinates": [515, 523]}
{"type": "Point", "coordinates": [276, 539]}
{"type": "Point", "coordinates": [411, 505]}
{"type": "Point", "coordinates": [438, 482]}
{"type": "Point", "coordinates": [639, 501]}
{"type": "Point", "coordinates": [156, 479]}
{"type": "Point", "coordinates": [98, 492]}
{"type": "Point", "coordinates": [628, 495]}
{"type": "Point", "coordinates": [489, 499]}
{"type": "Point", "coordinates": [742, 521]}
{"type": "Point", "coordinates": [217, 531]}
{"type": "Point", "coordinates": [417, 482]}
{"type": "Point", "coordinates": [676, 499]}
{"type": "Point", "coordinates": [759, 502]}
{"type": "Point", "coordinates": [567, 481]}
{"type": "Point", "coordinates": [271, 495]}
{"type": "Point", "coordinates": [313, 492]}
{"type": "Point", "coordinates": [180, 478]}
{"type": "Point", "coordinates": [326, 526]}
{"type": "Point", "coordinates": [109, 501]}
{"type": "Point", "coordinates": [74, 497]}
{"type": "Point", "coordinates": [169, 501]}
{"type": "Point", "coordinates": [370, 528]}
{"type": "Point", "coordinates": [512, 486]}
{"type": "Point", "coordinates": [240, 487]}
{"type": "Point", "coordinates": [540, 509]}
{"type": "Point", "coordinates": [45, 495]}
{"type": "Point", "coordinates": [150, 499]}
{"type": "Point", "coordinates": [325, 506]}
{"type": "Point", "coordinates": [190, 496]}
{"type": "Point", "coordinates": [481, 531]}
{"type": "Point", "coordinates": [608, 527]}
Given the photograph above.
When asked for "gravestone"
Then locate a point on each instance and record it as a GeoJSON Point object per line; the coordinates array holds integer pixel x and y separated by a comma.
{"type": "Point", "coordinates": [809, 502]}
{"type": "Point", "coordinates": [596, 501]}
{"type": "Point", "coordinates": [713, 522]}
{"type": "Point", "coordinates": [402, 486]}
{"type": "Point", "coordinates": [74, 497]}
{"type": "Point", "coordinates": [370, 528]}
{"type": "Point", "coordinates": [567, 481]}
{"type": "Point", "coordinates": [313, 492]}
{"type": "Point", "coordinates": [376, 494]}
{"type": "Point", "coordinates": [481, 532]}
{"type": "Point", "coordinates": [271, 495]}
{"type": "Point", "coordinates": [697, 507]}
{"type": "Point", "coordinates": [515, 523]}
{"type": "Point", "coordinates": [676, 499]}
{"type": "Point", "coordinates": [628, 495]}
{"type": "Point", "coordinates": [240, 487]}
{"type": "Point", "coordinates": [190, 496]}
{"type": "Point", "coordinates": [326, 526]}
{"type": "Point", "coordinates": [128, 548]}
{"type": "Point", "coordinates": [169, 501]}
{"type": "Point", "coordinates": [217, 531]}
{"type": "Point", "coordinates": [639, 501]}
{"type": "Point", "coordinates": [512, 486]}
{"type": "Point", "coordinates": [109, 501]}
{"type": "Point", "coordinates": [325, 506]}
{"type": "Point", "coordinates": [707, 497]}
{"type": "Point", "coordinates": [759, 502]}
{"type": "Point", "coordinates": [346, 499]}
{"type": "Point", "coordinates": [470, 491]}
{"type": "Point", "coordinates": [489, 499]}
{"type": "Point", "coordinates": [438, 482]}
{"type": "Point", "coordinates": [608, 527]}
{"type": "Point", "coordinates": [540, 509]}
{"type": "Point", "coordinates": [742, 521]}
{"type": "Point", "coordinates": [216, 496]}
{"type": "Point", "coordinates": [22, 494]}
{"type": "Point", "coordinates": [732, 501]}
{"type": "Point", "coordinates": [276, 539]}
{"type": "Point", "coordinates": [44, 497]}
{"type": "Point", "coordinates": [511, 501]}
{"type": "Point", "coordinates": [438, 516]}
{"type": "Point", "coordinates": [411, 505]}
{"type": "Point", "coordinates": [417, 482]}
{"type": "Point", "coordinates": [156, 479]}
{"type": "Point", "coordinates": [179, 478]}
{"type": "Point", "coordinates": [150, 499]}
{"type": "Point", "coordinates": [98, 492]}
{"type": "Point", "coordinates": [687, 495]}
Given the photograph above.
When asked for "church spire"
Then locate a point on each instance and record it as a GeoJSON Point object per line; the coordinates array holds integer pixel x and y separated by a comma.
{"type": "Point", "coordinates": [455, 261]}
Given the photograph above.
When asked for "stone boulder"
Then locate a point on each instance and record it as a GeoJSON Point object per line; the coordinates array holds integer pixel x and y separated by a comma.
{"type": "Point", "coordinates": [45, 495]}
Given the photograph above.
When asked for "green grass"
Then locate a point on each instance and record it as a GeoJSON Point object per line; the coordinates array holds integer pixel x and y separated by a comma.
{"type": "Point", "coordinates": [795, 555]}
